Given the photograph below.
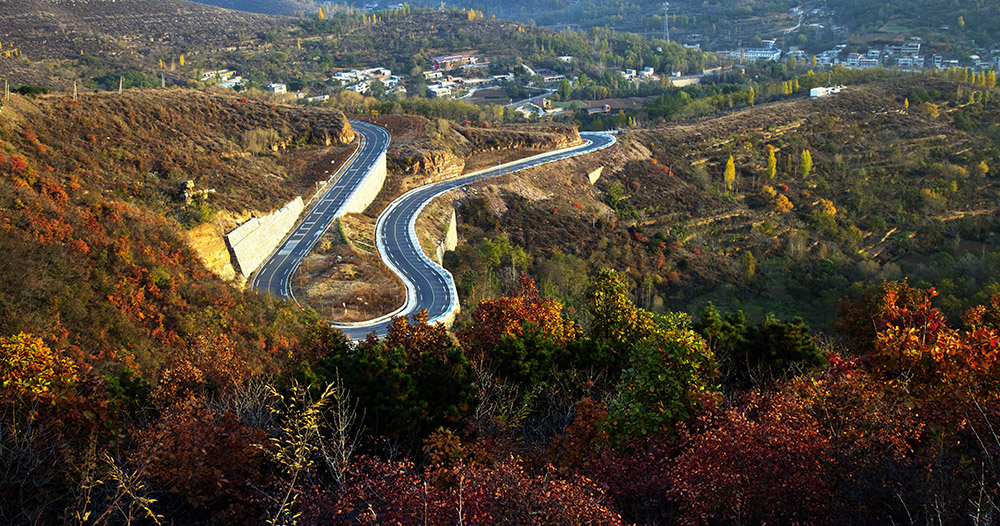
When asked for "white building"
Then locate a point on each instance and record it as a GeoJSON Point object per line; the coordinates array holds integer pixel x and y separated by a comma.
{"type": "Point", "coordinates": [277, 88]}
{"type": "Point", "coordinates": [441, 90]}
{"type": "Point", "coordinates": [824, 91]}
{"type": "Point", "coordinates": [360, 87]}
{"type": "Point", "coordinates": [755, 54]}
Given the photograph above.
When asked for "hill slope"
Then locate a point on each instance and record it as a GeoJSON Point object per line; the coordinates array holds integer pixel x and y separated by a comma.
{"type": "Point", "coordinates": [891, 192]}
{"type": "Point", "coordinates": [267, 7]}
{"type": "Point", "coordinates": [95, 260]}
{"type": "Point", "coordinates": [103, 31]}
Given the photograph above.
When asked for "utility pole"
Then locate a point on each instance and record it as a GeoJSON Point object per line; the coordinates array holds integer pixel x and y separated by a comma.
{"type": "Point", "coordinates": [163, 81]}
{"type": "Point", "coordinates": [6, 91]}
{"type": "Point", "coordinates": [120, 80]}
{"type": "Point", "coordinates": [74, 91]}
{"type": "Point", "coordinates": [666, 21]}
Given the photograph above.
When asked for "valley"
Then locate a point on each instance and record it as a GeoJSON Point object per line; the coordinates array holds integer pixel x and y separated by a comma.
{"type": "Point", "coordinates": [614, 279]}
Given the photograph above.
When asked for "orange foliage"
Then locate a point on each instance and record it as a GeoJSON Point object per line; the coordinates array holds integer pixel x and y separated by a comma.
{"type": "Point", "coordinates": [508, 315]}
{"type": "Point", "coordinates": [418, 337]}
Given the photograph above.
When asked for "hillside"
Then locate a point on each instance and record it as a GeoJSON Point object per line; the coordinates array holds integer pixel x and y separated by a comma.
{"type": "Point", "coordinates": [105, 36]}
{"type": "Point", "coordinates": [111, 171]}
{"type": "Point", "coordinates": [267, 7]}
{"type": "Point", "coordinates": [892, 192]}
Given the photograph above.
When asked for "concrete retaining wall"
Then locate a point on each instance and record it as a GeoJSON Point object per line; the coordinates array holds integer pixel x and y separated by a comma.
{"type": "Point", "coordinates": [595, 175]}
{"type": "Point", "coordinates": [251, 243]}
{"type": "Point", "coordinates": [450, 240]}
{"type": "Point", "coordinates": [368, 191]}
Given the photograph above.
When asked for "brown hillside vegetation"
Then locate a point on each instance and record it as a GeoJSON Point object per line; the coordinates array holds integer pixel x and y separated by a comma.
{"type": "Point", "coordinates": [887, 184]}
{"type": "Point", "coordinates": [146, 143]}
{"type": "Point", "coordinates": [125, 33]}
{"type": "Point", "coordinates": [241, 157]}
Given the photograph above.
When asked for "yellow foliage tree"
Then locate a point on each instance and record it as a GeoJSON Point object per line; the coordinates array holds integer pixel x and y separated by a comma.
{"type": "Point", "coordinates": [805, 163]}
{"type": "Point", "coordinates": [930, 109]}
{"type": "Point", "coordinates": [27, 365]}
{"type": "Point", "coordinates": [782, 205]}
{"type": "Point", "coordinates": [772, 162]}
{"type": "Point", "coordinates": [826, 207]}
{"type": "Point", "coordinates": [729, 175]}
{"type": "Point", "coordinates": [321, 15]}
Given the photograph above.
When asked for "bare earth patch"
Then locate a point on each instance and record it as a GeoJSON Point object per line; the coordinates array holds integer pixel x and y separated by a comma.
{"type": "Point", "coordinates": [347, 282]}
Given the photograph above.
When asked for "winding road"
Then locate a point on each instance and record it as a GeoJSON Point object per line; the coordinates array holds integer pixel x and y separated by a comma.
{"type": "Point", "coordinates": [428, 285]}
{"type": "Point", "coordinates": [275, 275]}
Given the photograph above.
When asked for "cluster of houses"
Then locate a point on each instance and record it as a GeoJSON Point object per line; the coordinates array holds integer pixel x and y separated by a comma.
{"type": "Point", "coordinates": [225, 78]}
{"type": "Point", "coordinates": [360, 80]}
{"type": "Point", "coordinates": [907, 56]}
{"type": "Point", "coordinates": [448, 85]}
{"type": "Point", "coordinates": [452, 62]}
{"type": "Point", "coordinates": [645, 74]}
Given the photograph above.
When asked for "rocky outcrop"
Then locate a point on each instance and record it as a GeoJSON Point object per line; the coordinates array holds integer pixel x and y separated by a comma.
{"type": "Point", "coordinates": [429, 165]}
{"type": "Point", "coordinates": [529, 138]}
{"type": "Point", "coordinates": [208, 242]}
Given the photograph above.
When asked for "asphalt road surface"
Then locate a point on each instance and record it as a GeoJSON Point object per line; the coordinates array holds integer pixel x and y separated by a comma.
{"type": "Point", "coordinates": [274, 275]}
{"type": "Point", "coordinates": [429, 286]}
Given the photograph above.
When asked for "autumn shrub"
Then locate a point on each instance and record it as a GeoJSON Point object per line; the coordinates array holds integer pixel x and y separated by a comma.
{"type": "Point", "coordinates": [28, 366]}
{"type": "Point", "coordinates": [660, 385]}
{"type": "Point", "coordinates": [504, 492]}
{"type": "Point", "coordinates": [765, 460]}
{"type": "Point", "coordinates": [505, 319]}
{"type": "Point", "coordinates": [209, 460]}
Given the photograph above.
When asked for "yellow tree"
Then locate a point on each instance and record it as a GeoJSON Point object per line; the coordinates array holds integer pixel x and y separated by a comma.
{"type": "Point", "coordinates": [805, 163]}
{"type": "Point", "coordinates": [321, 15]}
{"type": "Point", "coordinates": [729, 175]}
{"type": "Point", "coordinates": [772, 162]}
{"type": "Point", "coordinates": [750, 96]}
{"type": "Point", "coordinates": [181, 60]}
{"type": "Point", "coordinates": [27, 365]}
